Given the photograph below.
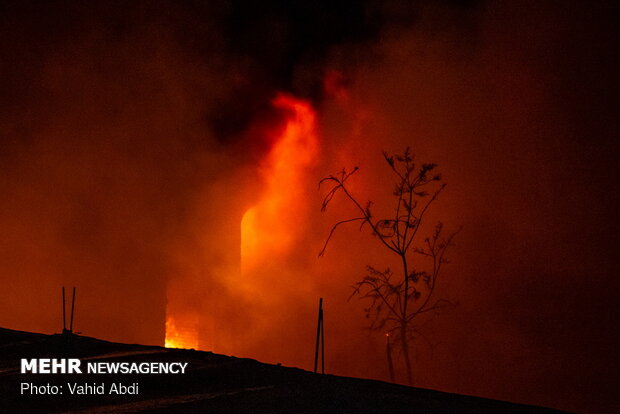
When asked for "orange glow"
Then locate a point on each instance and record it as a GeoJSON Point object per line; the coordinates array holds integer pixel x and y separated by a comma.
{"type": "Point", "coordinates": [266, 227]}
{"type": "Point", "coordinates": [181, 334]}
{"type": "Point", "coordinates": [266, 230]}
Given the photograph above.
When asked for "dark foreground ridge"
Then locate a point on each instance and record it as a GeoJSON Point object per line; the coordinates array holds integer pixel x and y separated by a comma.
{"type": "Point", "coordinates": [213, 383]}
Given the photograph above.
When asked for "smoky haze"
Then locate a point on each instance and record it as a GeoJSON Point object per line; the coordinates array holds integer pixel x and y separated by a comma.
{"type": "Point", "coordinates": [132, 136]}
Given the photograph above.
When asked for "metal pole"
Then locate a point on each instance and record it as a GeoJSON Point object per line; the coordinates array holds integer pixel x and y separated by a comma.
{"type": "Point", "coordinates": [318, 334]}
{"type": "Point", "coordinates": [72, 307]}
{"type": "Point", "coordinates": [64, 318]}
{"type": "Point", "coordinates": [322, 342]}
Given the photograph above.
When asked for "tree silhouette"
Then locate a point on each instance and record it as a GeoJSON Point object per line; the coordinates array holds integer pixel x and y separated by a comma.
{"type": "Point", "coordinates": [398, 299]}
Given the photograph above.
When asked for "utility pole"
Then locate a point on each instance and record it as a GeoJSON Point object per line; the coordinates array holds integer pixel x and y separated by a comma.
{"type": "Point", "coordinates": [320, 339]}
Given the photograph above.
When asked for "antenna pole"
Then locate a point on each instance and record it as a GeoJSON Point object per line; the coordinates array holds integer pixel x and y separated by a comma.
{"type": "Point", "coordinates": [322, 343]}
{"type": "Point", "coordinates": [72, 308]}
{"type": "Point", "coordinates": [320, 336]}
{"type": "Point", "coordinates": [64, 318]}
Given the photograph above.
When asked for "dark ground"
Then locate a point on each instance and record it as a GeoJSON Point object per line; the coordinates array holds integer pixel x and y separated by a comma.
{"type": "Point", "coordinates": [212, 383]}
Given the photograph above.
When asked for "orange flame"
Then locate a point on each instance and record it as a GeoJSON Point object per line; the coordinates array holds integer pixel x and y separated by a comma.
{"type": "Point", "coordinates": [266, 227]}
{"type": "Point", "coordinates": [181, 334]}
{"type": "Point", "coordinates": [266, 231]}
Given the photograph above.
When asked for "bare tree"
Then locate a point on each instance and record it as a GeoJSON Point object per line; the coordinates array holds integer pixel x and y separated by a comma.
{"type": "Point", "coordinates": [398, 299]}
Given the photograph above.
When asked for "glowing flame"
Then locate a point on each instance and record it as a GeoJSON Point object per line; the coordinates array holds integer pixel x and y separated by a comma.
{"type": "Point", "coordinates": [266, 227]}
{"type": "Point", "coordinates": [181, 334]}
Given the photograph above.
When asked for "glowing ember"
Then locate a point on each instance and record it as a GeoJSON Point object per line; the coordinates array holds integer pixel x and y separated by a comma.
{"type": "Point", "coordinates": [265, 228]}
{"type": "Point", "coordinates": [181, 334]}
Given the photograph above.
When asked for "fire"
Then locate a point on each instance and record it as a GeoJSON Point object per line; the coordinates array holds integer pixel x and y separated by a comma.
{"type": "Point", "coordinates": [181, 334]}
{"type": "Point", "coordinates": [266, 228]}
